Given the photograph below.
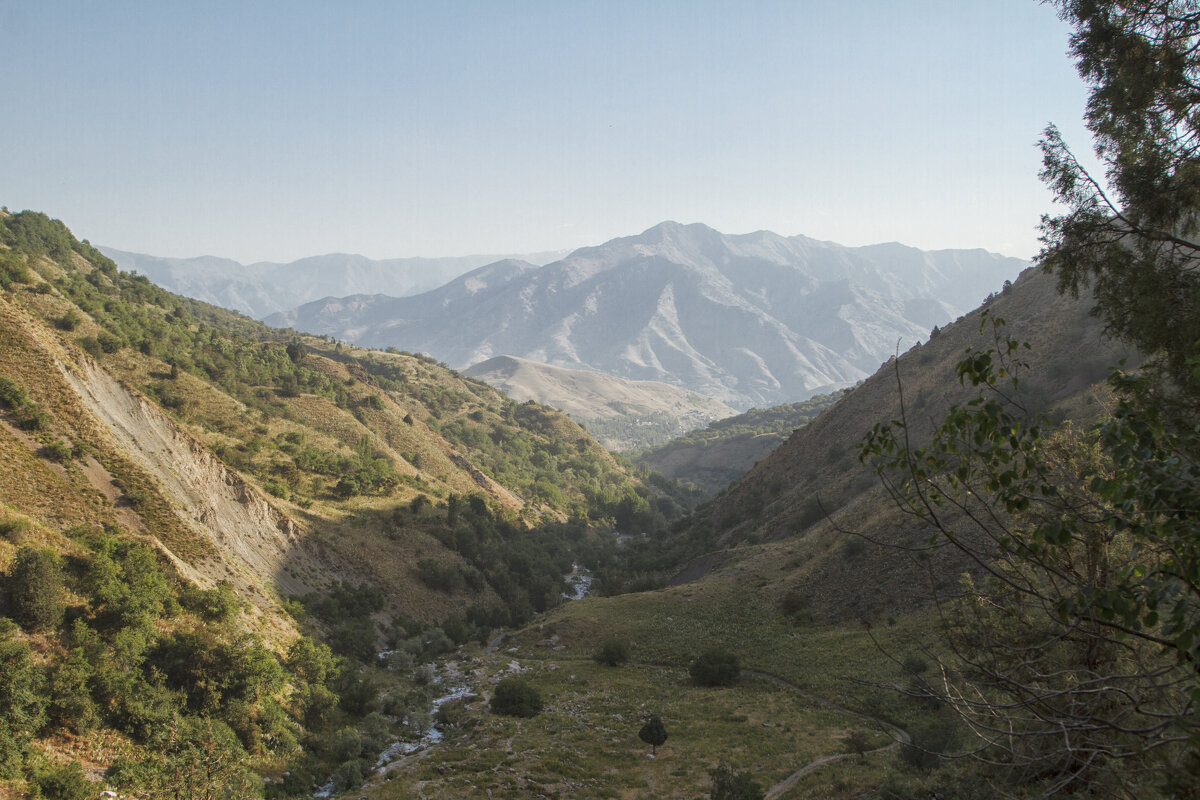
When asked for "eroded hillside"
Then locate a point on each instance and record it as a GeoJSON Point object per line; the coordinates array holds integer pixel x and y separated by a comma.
{"type": "Point", "coordinates": [280, 464]}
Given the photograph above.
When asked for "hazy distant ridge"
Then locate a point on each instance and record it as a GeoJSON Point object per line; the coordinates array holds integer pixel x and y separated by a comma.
{"type": "Point", "coordinates": [268, 287]}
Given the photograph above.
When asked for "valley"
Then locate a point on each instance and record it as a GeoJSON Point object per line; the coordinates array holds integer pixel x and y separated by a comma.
{"type": "Point", "coordinates": [325, 566]}
{"type": "Point", "coordinates": [587, 497]}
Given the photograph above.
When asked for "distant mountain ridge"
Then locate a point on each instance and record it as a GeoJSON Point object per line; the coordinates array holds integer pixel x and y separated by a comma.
{"type": "Point", "coordinates": [268, 287]}
{"type": "Point", "coordinates": [751, 320]}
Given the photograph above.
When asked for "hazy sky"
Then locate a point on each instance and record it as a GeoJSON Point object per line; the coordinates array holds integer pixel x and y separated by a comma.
{"type": "Point", "coordinates": [271, 131]}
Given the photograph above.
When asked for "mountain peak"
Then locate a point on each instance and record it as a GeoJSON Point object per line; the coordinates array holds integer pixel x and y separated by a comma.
{"type": "Point", "coordinates": [671, 230]}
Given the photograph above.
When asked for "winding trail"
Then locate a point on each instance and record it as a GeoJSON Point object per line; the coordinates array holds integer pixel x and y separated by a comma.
{"type": "Point", "coordinates": [899, 735]}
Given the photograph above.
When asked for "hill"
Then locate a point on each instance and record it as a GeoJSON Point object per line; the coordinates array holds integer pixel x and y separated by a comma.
{"type": "Point", "coordinates": [813, 489]}
{"type": "Point", "coordinates": [750, 320]}
{"type": "Point", "coordinates": [716, 456]}
{"type": "Point", "coordinates": [622, 415]}
{"type": "Point", "coordinates": [191, 502]}
{"type": "Point", "coordinates": [266, 287]}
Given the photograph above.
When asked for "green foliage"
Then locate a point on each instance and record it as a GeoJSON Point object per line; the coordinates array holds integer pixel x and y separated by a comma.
{"type": "Point", "coordinates": [12, 270]}
{"type": "Point", "coordinates": [12, 396]}
{"type": "Point", "coordinates": [346, 610]}
{"type": "Point", "coordinates": [71, 704]}
{"type": "Point", "coordinates": [653, 733]}
{"type": "Point", "coordinates": [14, 529]}
{"type": "Point", "coordinates": [516, 697]}
{"type": "Point", "coordinates": [63, 782]}
{"type": "Point", "coordinates": [715, 667]}
{"type": "Point", "coordinates": [200, 758]}
{"type": "Point", "coordinates": [22, 700]}
{"type": "Point", "coordinates": [778, 420]}
{"type": "Point", "coordinates": [34, 234]}
{"type": "Point", "coordinates": [213, 605]}
{"type": "Point", "coordinates": [857, 742]}
{"type": "Point", "coordinates": [731, 784]}
{"type": "Point", "coordinates": [927, 746]}
{"type": "Point", "coordinates": [12, 752]}
{"type": "Point", "coordinates": [127, 583]}
{"type": "Point", "coordinates": [68, 321]}
{"type": "Point", "coordinates": [1082, 635]}
{"type": "Point", "coordinates": [1135, 245]}
{"type": "Point", "coordinates": [351, 774]}
{"type": "Point", "coordinates": [34, 593]}
{"type": "Point", "coordinates": [612, 653]}
{"type": "Point", "coordinates": [28, 415]}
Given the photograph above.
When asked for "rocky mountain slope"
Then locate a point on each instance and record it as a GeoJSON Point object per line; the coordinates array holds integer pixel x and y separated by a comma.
{"type": "Point", "coordinates": [751, 320]}
{"type": "Point", "coordinates": [621, 414]}
{"type": "Point", "coordinates": [266, 287]}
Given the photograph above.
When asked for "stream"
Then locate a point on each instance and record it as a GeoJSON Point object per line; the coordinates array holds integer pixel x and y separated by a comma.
{"type": "Point", "coordinates": [579, 582]}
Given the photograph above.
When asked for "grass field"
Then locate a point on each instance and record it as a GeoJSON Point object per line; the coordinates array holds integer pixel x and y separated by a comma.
{"type": "Point", "coordinates": [585, 743]}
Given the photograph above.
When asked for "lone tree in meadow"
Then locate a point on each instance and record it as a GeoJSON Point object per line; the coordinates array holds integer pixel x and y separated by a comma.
{"type": "Point", "coordinates": [653, 733]}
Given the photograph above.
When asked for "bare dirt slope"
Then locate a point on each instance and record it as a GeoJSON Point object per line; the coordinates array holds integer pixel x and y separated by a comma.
{"type": "Point", "coordinates": [259, 547]}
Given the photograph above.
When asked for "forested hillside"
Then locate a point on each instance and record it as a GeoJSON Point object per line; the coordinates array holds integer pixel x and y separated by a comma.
{"type": "Point", "coordinates": [191, 504]}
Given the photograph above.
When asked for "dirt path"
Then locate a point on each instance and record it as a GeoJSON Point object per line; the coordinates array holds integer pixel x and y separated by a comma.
{"type": "Point", "coordinates": [899, 735]}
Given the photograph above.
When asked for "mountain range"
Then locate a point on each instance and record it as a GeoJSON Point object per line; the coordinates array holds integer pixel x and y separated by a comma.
{"type": "Point", "coordinates": [268, 287]}
{"type": "Point", "coordinates": [750, 320]}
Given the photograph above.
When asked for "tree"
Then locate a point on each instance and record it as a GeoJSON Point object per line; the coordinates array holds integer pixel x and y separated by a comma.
{"type": "Point", "coordinates": [612, 653]}
{"type": "Point", "coordinates": [34, 589]}
{"type": "Point", "coordinates": [653, 733]}
{"type": "Point", "coordinates": [1132, 235]}
{"type": "Point", "coordinates": [516, 697]}
{"type": "Point", "coordinates": [715, 667]}
{"type": "Point", "coordinates": [858, 742]}
{"type": "Point", "coordinates": [1072, 649]}
{"type": "Point", "coordinates": [1075, 647]}
{"type": "Point", "coordinates": [200, 759]}
{"type": "Point", "coordinates": [731, 784]}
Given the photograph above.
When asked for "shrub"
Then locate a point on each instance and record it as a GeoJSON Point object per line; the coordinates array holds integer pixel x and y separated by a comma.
{"type": "Point", "coordinates": [715, 667]}
{"type": "Point", "coordinates": [91, 346]}
{"type": "Point", "coordinates": [22, 701]}
{"type": "Point", "coordinates": [34, 589]}
{"type": "Point", "coordinates": [731, 784]}
{"type": "Point", "coordinates": [516, 697]}
{"type": "Point", "coordinates": [68, 321]}
{"type": "Point", "coordinates": [928, 743]}
{"type": "Point", "coordinates": [59, 452]}
{"type": "Point", "coordinates": [14, 529]}
{"type": "Point", "coordinates": [12, 396]}
{"type": "Point", "coordinates": [277, 489]}
{"type": "Point", "coordinates": [612, 653]}
{"type": "Point", "coordinates": [64, 782]}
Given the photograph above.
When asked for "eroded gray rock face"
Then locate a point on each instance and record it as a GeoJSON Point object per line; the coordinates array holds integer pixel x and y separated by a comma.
{"type": "Point", "coordinates": [751, 320]}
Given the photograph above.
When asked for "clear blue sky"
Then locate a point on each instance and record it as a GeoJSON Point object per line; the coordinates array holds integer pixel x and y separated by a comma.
{"type": "Point", "coordinates": [275, 130]}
